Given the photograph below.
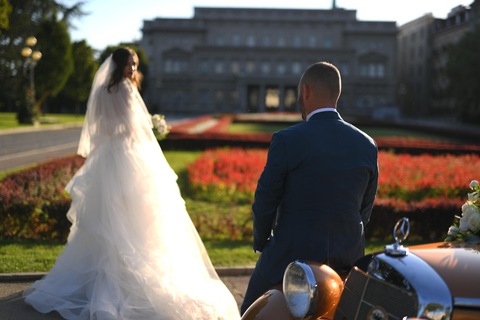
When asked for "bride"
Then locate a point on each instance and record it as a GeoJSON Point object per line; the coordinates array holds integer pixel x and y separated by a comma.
{"type": "Point", "coordinates": [132, 252]}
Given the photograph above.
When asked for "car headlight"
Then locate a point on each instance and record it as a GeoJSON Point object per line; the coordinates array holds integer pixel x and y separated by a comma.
{"type": "Point", "coordinates": [300, 289]}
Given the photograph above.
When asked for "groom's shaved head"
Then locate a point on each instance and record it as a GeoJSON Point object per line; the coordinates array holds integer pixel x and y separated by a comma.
{"type": "Point", "coordinates": [324, 79]}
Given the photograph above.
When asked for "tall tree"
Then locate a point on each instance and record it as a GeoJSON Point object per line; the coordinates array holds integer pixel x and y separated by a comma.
{"type": "Point", "coordinates": [5, 11]}
{"type": "Point", "coordinates": [463, 68]}
{"type": "Point", "coordinates": [24, 20]}
{"type": "Point", "coordinates": [80, 81]}
{"type": "Point", "coordinates": [56, 65]}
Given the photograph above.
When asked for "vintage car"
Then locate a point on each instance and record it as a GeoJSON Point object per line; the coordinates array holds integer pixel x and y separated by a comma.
{"type": "Point", "coordinates": [437, 281]}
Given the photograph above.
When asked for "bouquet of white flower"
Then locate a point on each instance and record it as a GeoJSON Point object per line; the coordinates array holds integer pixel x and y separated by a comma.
{"type": "Point", "coordinates": [160, 127]}
{"type": "Point", "coordinates": [467, 227]}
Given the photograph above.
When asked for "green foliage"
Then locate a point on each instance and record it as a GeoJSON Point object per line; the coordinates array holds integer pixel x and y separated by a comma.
{"type": "Point", "coordinates": [462, 69]}
{"type": "Point", "coordinates": [5, 11]}
{"type": "Point", "coordinates": [56, 65]}
{"type": "Point", "coordinates": [219, 222]}
{"type": "Point", "coordinates": [84, 68]}
{"type": "Point", "coordinates": [23, 22]}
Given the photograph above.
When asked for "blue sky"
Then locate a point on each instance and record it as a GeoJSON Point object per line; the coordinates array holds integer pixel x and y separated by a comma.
{"type": "Point", "coordinates": [113, 21]}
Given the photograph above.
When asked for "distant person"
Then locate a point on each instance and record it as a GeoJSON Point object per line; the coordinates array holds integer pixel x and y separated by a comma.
{"type": "Point", "coordinates": [133, 252]}
{"type": "Point", "coordinates": [316, 192]}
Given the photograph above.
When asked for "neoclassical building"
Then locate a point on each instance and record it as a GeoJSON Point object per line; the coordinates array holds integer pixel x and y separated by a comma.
{"type": "Point", "coordinates": [250, 60]}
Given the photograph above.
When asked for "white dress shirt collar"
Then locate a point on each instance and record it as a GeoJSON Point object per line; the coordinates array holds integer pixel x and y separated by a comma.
{"type": "Point", "coordinates": [320, 110]}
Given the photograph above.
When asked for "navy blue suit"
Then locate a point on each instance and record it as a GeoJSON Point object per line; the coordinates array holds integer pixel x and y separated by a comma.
{"type": "Point", "coordinates": [315, 194]}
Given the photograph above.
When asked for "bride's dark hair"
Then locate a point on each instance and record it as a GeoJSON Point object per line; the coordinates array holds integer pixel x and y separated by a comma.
{"type": "Point", "coordinates": [120, 57]}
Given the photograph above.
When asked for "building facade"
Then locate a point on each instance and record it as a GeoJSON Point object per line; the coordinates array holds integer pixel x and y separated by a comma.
{"type": "Point", "coordinates": [251, 60]}
{"type": "Point", "coordinates": [422, 57]}
{"type": "Point", "coordinates": [413, 66]}
{"type": "Point", "coordinates": [445, 32]}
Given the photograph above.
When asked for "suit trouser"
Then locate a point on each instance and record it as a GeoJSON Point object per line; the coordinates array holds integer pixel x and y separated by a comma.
{"type": "Point", "coordinates": [257, 286]}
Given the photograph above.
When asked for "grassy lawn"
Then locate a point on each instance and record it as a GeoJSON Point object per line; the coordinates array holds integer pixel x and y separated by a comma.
{"type": "Point", "coordinates": [255, 127]}
{"type": "Point", "coordinates": [28, 256]}
{"type": "Point", "coordinates": [8, 120]}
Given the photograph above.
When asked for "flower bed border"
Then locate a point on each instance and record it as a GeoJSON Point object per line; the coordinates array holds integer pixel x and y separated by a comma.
{"type": "Point", "coordinates": [217, 135]}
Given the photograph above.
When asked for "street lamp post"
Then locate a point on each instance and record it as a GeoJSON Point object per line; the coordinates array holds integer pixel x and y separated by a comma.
{"type": "Point", "coordinates": [31, 60]}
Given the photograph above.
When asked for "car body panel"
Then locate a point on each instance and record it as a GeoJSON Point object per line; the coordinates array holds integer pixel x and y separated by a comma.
{"type": "Point", "coordinates": [457, 263]}
{"type": "Point", "coordinates": [270, 306]}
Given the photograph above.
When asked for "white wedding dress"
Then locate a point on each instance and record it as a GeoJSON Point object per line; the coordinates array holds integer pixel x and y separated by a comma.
{"type": "Point", "coordinates": [132, 252]}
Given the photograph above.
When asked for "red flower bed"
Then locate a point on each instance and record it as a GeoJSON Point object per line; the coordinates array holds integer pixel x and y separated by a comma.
{"type": "Point", "coordinates": [33, 203]}
{"type": "Point", "coordinates": [411, 177]}
{"type": "Point", "coordinates": [402, 176]}
{"type": "Point", "coordinates": [227, 174]}
{"type": "Point", "coordinates": [428, 189]}
{"type": "Point", "coordinates": [423, 144]}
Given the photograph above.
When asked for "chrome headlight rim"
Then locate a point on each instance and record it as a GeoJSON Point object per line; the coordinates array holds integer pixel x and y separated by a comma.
{"type": "Point", "coordinates": [299, 268]}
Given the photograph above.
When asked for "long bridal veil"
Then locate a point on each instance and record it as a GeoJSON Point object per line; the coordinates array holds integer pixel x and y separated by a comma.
{"type": "Point", "coordinates": [132, 252]}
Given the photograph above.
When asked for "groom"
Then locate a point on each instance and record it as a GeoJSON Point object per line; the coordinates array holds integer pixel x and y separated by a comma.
{"type": "Point", "coordinates": [316, 192]}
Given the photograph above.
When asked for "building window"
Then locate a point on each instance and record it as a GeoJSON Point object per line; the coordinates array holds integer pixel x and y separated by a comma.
{"type": "Point", "coordinates": [297, 41]}
{"type": "Point", "coordinates": [266, 67]}
{"type": "Point", "coordinates": [253, 93]}
{"type": "Point", "coordinates": [175, 66]}
{"type": "Point", "coordinates": [250, 66]}
{"type": "Point", "coordinates": [234, 97]}
{"type": "Point", "coordinates": [219, 67]}
{"type": "Point", "coordinates": [203, 98]}
{"type": "Point", "coordinates": [312, 41]}
{"type": "Point", "coordinates": [344, 69]}
{"type": "Point", "coordinates": [372, 70]}
{"type": "Point", "coordinates": [168, 66]}
{"type": "Point", "coordinates": [290, 99]}
{"type": "Point", "coordinates": [281, 69]}
{"type": "Point", "coordinates": [218, 96]}
{"type": "Point", "coordinates": [220, 41]}
{"type": "Point", "coordinates": [327, 42]}
{"type": "Point", "coordinates": [203, 67]}
{"type": "Point", "coordinates": [296, 67]}
{"type": "Point", "coordinates": [236, 40]}
{"type": "Point", "coordinates": [266, 41]}
{"type": "Point", "coordinates": [272, 98]}
{"type": "Point", "coordinates": [251, 41]}
{"type": "Point", "coordinates": [235, 67]}
{"type": "Point", "coordinates": [281, 42]}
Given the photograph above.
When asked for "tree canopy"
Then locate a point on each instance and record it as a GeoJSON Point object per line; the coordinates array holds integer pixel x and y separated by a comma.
{"type": "Point", "coordinates": [56, 65]}
{"type": "Point", "coordinates": [463, 68]}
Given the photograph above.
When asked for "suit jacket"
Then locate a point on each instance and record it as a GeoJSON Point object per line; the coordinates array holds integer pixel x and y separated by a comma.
{"type": "Point", "coordinates": [315, 195]}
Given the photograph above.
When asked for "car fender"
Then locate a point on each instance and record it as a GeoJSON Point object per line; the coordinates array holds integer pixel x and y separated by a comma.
{"type": "Point", "coordinates": [270, 306]}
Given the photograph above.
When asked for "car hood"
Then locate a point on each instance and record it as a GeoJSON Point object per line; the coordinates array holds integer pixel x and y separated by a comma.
{"type": "Point", "coordinates": [458, 263]}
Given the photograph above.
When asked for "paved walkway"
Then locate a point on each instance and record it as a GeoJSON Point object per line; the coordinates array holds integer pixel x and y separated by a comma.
{"type": "Point", "coordinates": [12, 306]}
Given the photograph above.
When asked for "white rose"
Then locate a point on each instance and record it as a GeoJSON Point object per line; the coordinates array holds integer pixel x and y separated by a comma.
{"type": "Point", "coordinates": [474, 196]}
{"type": "Point", "coordinates": [464, 225]}
{"type": "Point", "coordinates": [473, 184]}
{"type": "Point", "coordinates": [468, 208]}
{"type": "Point", "coordinates": [474, 221]}
{"type": "Point", "coordinates": [453, 231]}
{"type": "Point", "coordinates": [471, 215]}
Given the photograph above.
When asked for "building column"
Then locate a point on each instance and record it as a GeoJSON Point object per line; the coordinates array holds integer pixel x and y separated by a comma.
{"type": "Point", "coordinates": [242, 98]}
{"type": "Point", "coordinates": [281, 97]}
{"type": "Point", "coordinates": [261, 94]}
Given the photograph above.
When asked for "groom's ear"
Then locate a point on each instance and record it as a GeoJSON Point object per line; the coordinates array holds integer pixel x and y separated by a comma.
{"type": "Point", "coordinates": [307, 91]}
